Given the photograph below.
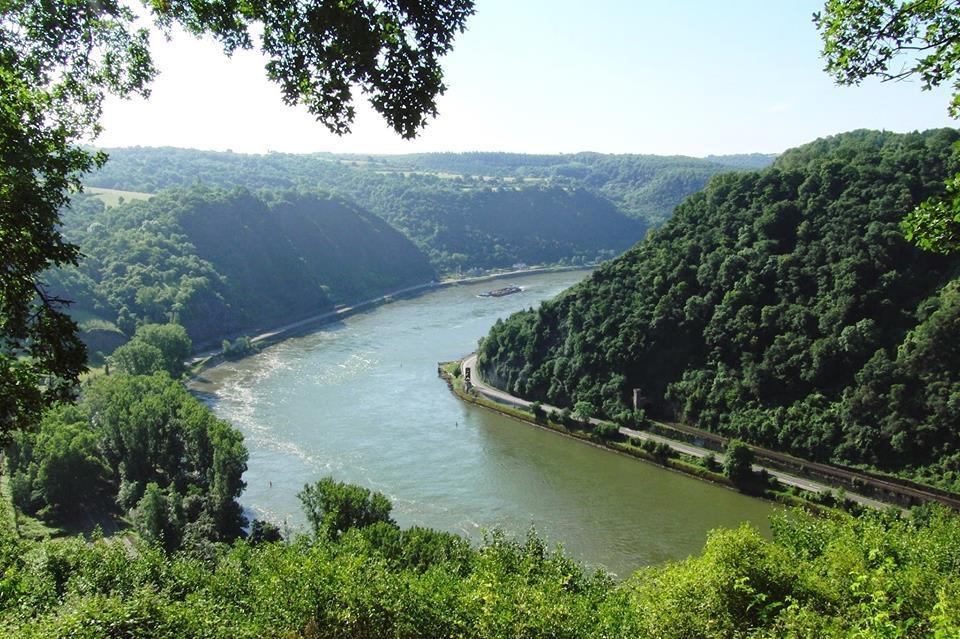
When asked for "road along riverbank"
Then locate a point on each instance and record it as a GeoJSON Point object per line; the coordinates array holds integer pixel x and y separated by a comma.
{"type": "Point", "coordinates": [360, 400]}
{"type": "Point", "coordinates": [207, 356]}
{"type": "Point", "coordinates": [817, 489]}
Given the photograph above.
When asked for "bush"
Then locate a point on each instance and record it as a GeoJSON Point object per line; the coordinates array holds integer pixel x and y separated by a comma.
{"type": "Point", "coordinates": [710, 463]}
{"type": "Point", "coordinates": [663, 450]}
{"type": "Point", "coordinates": [539, 415]}
{"type": "Point", "coordinates": [21, 491]}
{"type": "Point", "coordinates": [240, 347]}
{"type": "Point", "coordinates": [333, 507]}
{"type": "Point", "coordinates": [738, 465]}
{"type": "Point", "coordinates": [606, 431]}
{"type": "Point", "coordinates": [633, 419]}
{"type": "Point", "coordinates": [584, 411]}
{"type": "Point", "coordinates": [263, 532]}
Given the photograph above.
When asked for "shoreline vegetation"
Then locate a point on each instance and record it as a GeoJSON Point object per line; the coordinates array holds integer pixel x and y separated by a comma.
{"type": "Point", "coordinates": [209, 358]}
{"type": "Point", "coordinates": [655, 446]}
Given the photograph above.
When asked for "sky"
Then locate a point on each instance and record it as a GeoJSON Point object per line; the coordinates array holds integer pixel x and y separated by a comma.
{"type": "Point", "coordinates": [682, 77]}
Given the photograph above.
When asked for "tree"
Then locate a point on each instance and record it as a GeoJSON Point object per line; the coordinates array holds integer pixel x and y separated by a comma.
{"type": "Point", "coordinates": [137, 358]}
{"type": "Point", "coordinates": [738, 463]}
{"type": "Point", "coordinates": [334, 507]}
{"type": "Point", "coordinates": [539, 415]}
{"type": "Point", "coordinates": [263, 532]}
{"type": "Point", "coordinates": [584, 410]}
{"type": "Point", "coordinates": [171, 340]}
{"type": "Point", "coordinates": [59, 61]}
{"type": "Point", "coordinates": [606, 430]}
{"type": "Point", "coordinates": [70, 472]}
{"type": "Point", "coordinates": [155, 518]}
{"type": "Point", "coordinates": [896, 40]}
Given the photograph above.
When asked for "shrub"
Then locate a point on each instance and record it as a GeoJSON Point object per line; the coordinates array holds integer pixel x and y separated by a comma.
{"type": "Point", "coordinates": [539, 415]}
{"type": "Point", "coordinates": [605, 430]}
{"type": "Point", "coordinates": [739, 461]}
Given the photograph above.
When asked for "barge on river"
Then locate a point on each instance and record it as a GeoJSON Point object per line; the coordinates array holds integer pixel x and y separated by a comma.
{"type": "Point", "coordinates": [500, 292]}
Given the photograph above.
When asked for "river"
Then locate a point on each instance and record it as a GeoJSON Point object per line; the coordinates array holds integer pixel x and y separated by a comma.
{"type": "Point", "coordinates": [361, 400]}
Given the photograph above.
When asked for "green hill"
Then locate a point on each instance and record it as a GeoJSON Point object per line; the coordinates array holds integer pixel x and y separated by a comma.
{"type": "Point", "coordinates": [781, 306]}
{"type": "Point", "coordinates": [429, 196]}
{"type": "Point", "coordinates": [490, 228]}
{"type": "Point", "coordinates": [221, 261]}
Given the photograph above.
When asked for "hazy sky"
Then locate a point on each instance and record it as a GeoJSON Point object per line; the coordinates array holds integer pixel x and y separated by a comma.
{"type": "Point", "coordinates": [547, 76]}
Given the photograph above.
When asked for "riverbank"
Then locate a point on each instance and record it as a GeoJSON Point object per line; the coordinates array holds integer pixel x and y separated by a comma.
{"type": "Point", "coordinates": [679, 456]}
{"type": "Point", "coordinates": [210, 357]}
{"type": "Point", "coordinates": [361, 400]}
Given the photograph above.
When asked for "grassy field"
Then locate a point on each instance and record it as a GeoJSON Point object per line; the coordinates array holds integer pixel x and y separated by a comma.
{"type": "Point", "coordinates": [112, 197]}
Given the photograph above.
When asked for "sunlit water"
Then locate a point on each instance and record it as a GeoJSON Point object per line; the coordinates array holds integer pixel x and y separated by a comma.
{"type": "Point", "coordinates": [361, 400]}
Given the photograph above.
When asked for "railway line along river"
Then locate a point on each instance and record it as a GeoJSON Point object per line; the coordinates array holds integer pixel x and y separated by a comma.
{"type": "Point", "coordinates": [361, 400]}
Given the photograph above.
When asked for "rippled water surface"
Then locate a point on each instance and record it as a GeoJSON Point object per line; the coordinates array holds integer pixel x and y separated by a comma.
{"type": "Point", "coordinates": [361, 400]}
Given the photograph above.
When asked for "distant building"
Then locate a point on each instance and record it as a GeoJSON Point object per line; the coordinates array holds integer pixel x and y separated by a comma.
{"type": "Point", "coordinates": [520, 265]}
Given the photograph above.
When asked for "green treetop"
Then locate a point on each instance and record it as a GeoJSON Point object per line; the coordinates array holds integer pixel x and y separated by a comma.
{"type": "Point", "coordinates": [898, 40]}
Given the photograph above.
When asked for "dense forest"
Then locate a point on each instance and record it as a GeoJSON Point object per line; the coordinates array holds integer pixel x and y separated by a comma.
{"type": "Point", "coordinates": [358, 575]}
{"type": "Point", "coordinates": [461, 189]}
{"type": "Point", "coordinates": [645, 187]}
{"type": "Point", "coordinates": [218, 261]}
{"type": "Point", "coordinates": [134, 447]}
{"type": "Point", "coordinates": [781, 306]}
{"type": "Point", "coordinates": [237, 242]}
{"type": "Point", "coordinates": [486, 229]}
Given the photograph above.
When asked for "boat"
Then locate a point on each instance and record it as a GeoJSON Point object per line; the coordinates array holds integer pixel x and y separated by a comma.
{"type": "Point", "coordinates": [500, 292]}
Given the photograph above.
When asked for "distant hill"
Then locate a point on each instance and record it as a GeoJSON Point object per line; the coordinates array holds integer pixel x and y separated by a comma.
{"type": "Point", "coordinates": [643, 187]}
{"type": "Point", "coordinates": [781, 306]}
{"type": "Point", "coordinates": [226, 261]}
{"type": "Point", "coordinates": [744, 161]}
{"type": "Point", "coordinates": [496, 227]}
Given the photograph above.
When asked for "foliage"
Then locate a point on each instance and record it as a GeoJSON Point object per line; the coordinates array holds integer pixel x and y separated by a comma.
{"type": "Point", "coordinates": [837, 576]}
{"type": "Point", "coordinates": [866, 38]}
{"type": "Point", "coordinates": [584, 410]}
{"type": "Point", "coordinates": [171, 340]}
{"type": "Point", "coordinates": [539, 414]}
{"type": "Point", "coordinates": [240, 347]}
{"type": "Point", "coordinates": [605, 430]}
{"type": "Point", "coordinates": [782, 307]}
{"type": "Point", "coordinates": [59, 61]}
{"type": "Point", "coordinates": [332, 508]}
{"type": "Point", "coordinates": [154, 348]}
{"type": "Point", "coordinates": [738, 461]}
{"type": "Point", "coordinates": [935, 224]}
{"type": "Point", "coordinates": [263, 532]}
{"type": "Point", "coordinates": [644, 187]}
{"type": "Point", "coordinates": [134, 444]}
{"type": "Point", "coordinates": [219, 262]}
{"type": "Point", "coordinates": [896, 40]}
{"type": "Point", "coordinates": [710, 462]}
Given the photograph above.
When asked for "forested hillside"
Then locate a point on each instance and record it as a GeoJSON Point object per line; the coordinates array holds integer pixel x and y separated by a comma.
{"type": "Point", "coordinates": [222, 261]}
{"type": "Point", "coordinates": [457, 186]}
{"type": "Point", "coordinates": [781, 306]}
{"type": "Point", "coordinates": [485, 228]}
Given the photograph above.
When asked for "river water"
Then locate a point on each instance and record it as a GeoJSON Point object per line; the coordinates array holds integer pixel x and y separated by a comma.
{"type": "Point", "coordinates": [361, 400]}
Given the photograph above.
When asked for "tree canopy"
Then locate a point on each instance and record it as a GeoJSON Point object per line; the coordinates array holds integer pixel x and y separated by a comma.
{"type": "Point", "coordinates": [58, 62]}
{"type": "Point", "coordinates": [133, 445]}
{"type": "Point", "coordinates": [782, 306]}
{"type": "Point", "coordinates": [897, 40]}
